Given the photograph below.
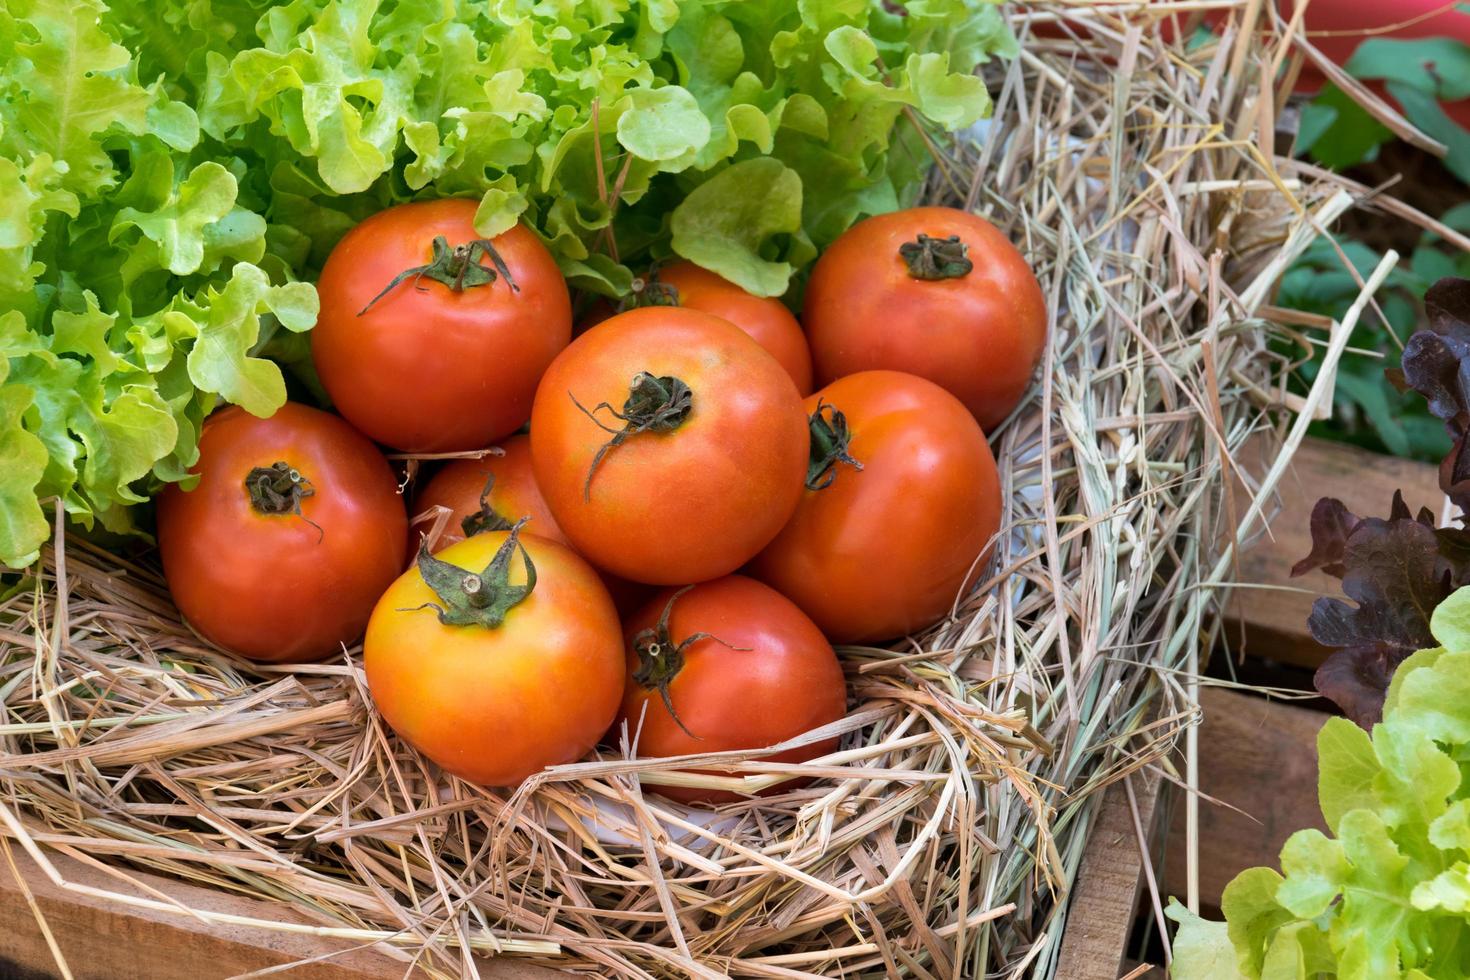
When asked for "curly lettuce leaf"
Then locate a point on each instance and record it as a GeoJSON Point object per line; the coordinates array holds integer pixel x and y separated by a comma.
{"type": "Point", "coordinates": [1387, 893]}
{"type": "Point", "coordinates": [171, 172]}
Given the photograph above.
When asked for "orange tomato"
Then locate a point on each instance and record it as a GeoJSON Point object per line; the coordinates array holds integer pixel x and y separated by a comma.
{"type": "Point", "coordinates": [766, 319]}
{"type": "Point", "coordinates": [725, 665]}
{"type": "Point", "coordinates": [459, 485]}
{"type": "Point", "coordinates": [895, 293]}
{"type": "Point", "coordinates": [437, 365]}
{"type": "Point", "coordinates": [669, 445]}
{"type": "Point", "coordinates": [292, 533]}
{"type": "Point", "coordinates": [883, 551]}
{"type": "Point", "coordinates": [489, 680]}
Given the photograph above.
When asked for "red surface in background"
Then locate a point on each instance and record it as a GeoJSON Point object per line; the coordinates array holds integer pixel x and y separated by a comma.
{"type": "Point", "coordinates": [1337, 27]}
{"type": "Point", "coordinates": [1345, 24]}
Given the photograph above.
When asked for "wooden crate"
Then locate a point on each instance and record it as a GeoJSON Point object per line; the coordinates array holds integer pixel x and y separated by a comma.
{"type": "Point", "coordinates": [1257, 756]}
{"type": "Point", "coordinates": [101, 939]}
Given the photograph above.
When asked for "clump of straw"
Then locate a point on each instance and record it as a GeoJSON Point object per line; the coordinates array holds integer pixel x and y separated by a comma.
{"type": "Point", "coordinates": [943, 838]}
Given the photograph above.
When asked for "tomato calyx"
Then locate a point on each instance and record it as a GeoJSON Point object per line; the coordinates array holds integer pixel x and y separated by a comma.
{"type": "Point", "coordinates": [830, 439]}
{"type": "Point", "coordinates": [476, 598]}
{"type": "Point", "coordinates": [278, 489]}
{"type": "Point", "coordinates": [660, 659]}
{"type": "Point", "coordinates": [487, 518]}
{"type": "Point", "coordinates": [457, 267]}
{"type": "Point", "coordinates": [650, 290]}
{"type": "Point", "coordinates": [654, 404]}
{"type": "Point", "coordinates": [936, 258]}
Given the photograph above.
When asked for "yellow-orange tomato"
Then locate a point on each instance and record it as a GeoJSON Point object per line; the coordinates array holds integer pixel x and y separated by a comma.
{"type": "Point", "coordinates": [729, 664]}
{"type": "Point", "coordinates": [883, 551]}
{"type": "Point", "coordinates": [669, 445]}
{"type": "Point", "coordinates": [447, 360]}
{"type": "Point", "coordinates": [513, 682]}
{"type": "Point", "coordinates": [459, 485]}
{"type": "Point", "coordinates": [895, 293]}
{"type": "Point", "coordinates": [765, 318]}
{"type": "Point", "coordinates": [292, 533]}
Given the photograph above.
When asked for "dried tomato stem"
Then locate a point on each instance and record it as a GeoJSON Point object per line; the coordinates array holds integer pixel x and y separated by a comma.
{"type": "Point", "coordinates": [936, 258]}
{"type": "Point", "coordinates": [487, 518]}
{"type": "Point", "coordinates": [830, 439]}
{"type": "Point", "coordinates": [457, 267]}
{"type": "Point", "coordinates": [660, 659]}
{"type": "Point", "coordinates": [650, 290]}
{"type": "Point", "coordinates": [278, 489]}
{"type": "Point", "coordinates": [654, 404]}
{"type": "Point", "coordinates": [468, 598]}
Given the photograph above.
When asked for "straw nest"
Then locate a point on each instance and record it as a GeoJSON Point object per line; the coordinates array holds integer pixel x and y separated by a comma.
{"type": "Point", "coordinates": [943, 838]}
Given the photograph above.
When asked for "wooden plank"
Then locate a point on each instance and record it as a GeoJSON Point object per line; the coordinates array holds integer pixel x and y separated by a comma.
{"type": "Point", "coordinates": [1100, 913]}
{"type": "Point", "coordinates": [1275, 616]}
{"type": "Point", "coordinates": [102, 939]}
{"type": "Point", "coordinates": [1257, 755]}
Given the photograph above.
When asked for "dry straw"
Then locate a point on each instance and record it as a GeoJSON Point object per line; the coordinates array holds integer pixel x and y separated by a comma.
{"type": "Point", "coordinates": [1137, 174]}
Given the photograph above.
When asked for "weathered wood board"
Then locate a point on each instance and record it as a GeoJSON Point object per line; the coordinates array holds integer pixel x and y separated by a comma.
{"type": "Point", "coordinates": [100, 939]}
{"type": "Point", "coordinates": [1274, 606]}
{"type": "Point", "coordinates": [1258, 760]}
{"type": "Point", "coordinates": [1100, 918]}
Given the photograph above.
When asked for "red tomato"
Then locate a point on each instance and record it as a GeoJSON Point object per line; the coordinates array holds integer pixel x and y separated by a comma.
{"type": "Point", "coordinates": [669, 445]}
{"type": "Point", "coordinates": [491, 681]}
{"type": "Point", "coordinates": [884, 550]}
{"type": "Point", "coordinates": [765, 318]}
{"type": "Point", "coordinates": [458, 488]}
{"type": "Point", "coordinates": [729, 664]}
{"type": "Point", "coordinates": [426, 367]}
{"type": "Point", "coordinates": [292, 533]}
{"type": "Point", "coordinates": [976, 326]}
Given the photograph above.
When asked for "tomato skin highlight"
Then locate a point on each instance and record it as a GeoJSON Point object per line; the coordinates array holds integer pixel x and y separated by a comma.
{"type": "Point", "coordinates": [458, 486]}
{"type": "Point", "coordinates": [766, 319]}
{"type": "Point", "coordinates": [979, 336]}
{"type": "Point", "coordinates": [884, 551]}
{"type": "Point", "coordinates": [282, 588]}
{"type": "Point", "coordinates": [788, 680]}
{"type": "Point", "coordinates": [494, 706]}
{"type": "Point", "coordinates": [676, 506]}
{"type": "Point", "coordinates": [427, 369]}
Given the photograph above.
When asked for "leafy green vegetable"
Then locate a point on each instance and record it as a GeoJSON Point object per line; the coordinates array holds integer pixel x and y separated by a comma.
{"type": "Point", "coordinates": [1397, 571]}
{"type": "Point", "coordinates": [1387, 895]}
{"type": "Point", "coordinates": [1367, 412]}
{"type": "Point", "coordinates": [173, 171]}
{"type": "Point", "coordinates": [1418, 74]}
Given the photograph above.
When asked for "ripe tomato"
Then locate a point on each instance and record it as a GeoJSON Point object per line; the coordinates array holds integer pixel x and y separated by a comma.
{"type": "Point", "coordinates": [292, 533]}
{"type": "Point", "coordinates": [459, 486]}
{"type": "Point", "coordinates": [883, 551]}
{"type": "Point", "coordinates": [894, 293]}
{"type": "Point", "coordinates": [729, 664]}
{"type": "Point", "coordinates": [766, 319]}
{"type": "Point", "coordinates": [490, 669]}
{"type": "Point", "coordinates": [426, 366]}
{"type": "Point", "coordinates": [669, 445]}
